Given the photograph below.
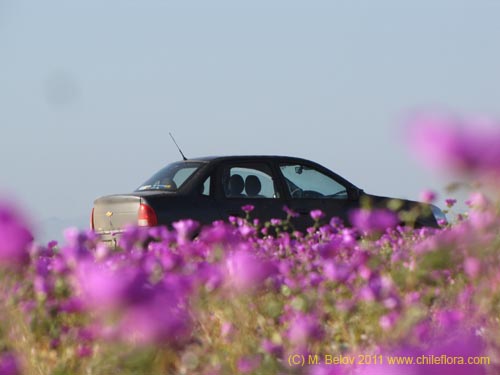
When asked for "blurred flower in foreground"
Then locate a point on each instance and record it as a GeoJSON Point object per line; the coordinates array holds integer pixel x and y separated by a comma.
{"type": "Point", "coordinates": [248, 364]}
{"type": "Point", "coordinates": [304, 329]}
{"type": "Point", "coordinates": [105, 288]}
{"type": "Point", "coordinates": [185, 230]}
{"type": "Point", "coordinates": [478, 201]}
{"type": "Point", "coordinates": [427, 196]}
{"type": "Point", "coordinates": [369, 221]}
{"type": "Point", "coordinates": [327, 370]}
{"type": "Point", "coordinates": [450, 202]}
{"type": "Point", "coordinates": [9, 364]}
{"type": "Point", "coordinates": [247, 272]}
{"type": "Point", "coordinates": [445, 356]}
{"type": "Point", "coordinates": [14, 237]}
{"type": "Point", "coordinates": [161, 319]}
{"type": "Point", "coordinates": [459, 145]}
{"type": "Point", "coordinates": [141, 312]}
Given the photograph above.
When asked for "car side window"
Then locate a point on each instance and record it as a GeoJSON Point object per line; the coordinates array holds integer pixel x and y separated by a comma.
{"type": "Point", "coordinates": [171, 177]}
{"type": "Point", "coordinates": [205, 190]}
{"type": "Point", "coordinates": [305, 182]}
{"type": "Point", "coordinates": [248, 181]}
{"type": "Point", "coordinates": [183, 174]}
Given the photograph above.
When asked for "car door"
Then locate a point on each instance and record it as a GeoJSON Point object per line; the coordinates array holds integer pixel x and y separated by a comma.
{"type": "Point", "coordinates": [310, 187]}
{"type": "Point", "coordinates": [203, 206]}
{"type": "Point", "coordinates": [196, 200]}
{"type": "Point", "coordinates": [242, 183]}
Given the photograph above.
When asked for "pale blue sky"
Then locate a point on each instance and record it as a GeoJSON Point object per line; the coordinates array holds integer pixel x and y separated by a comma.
{"type": "Point", "coordinates": [90, 89]}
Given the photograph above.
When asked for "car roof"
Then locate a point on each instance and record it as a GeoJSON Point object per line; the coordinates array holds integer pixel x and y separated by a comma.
{"type": "Point", "coordinates": [243, 157]}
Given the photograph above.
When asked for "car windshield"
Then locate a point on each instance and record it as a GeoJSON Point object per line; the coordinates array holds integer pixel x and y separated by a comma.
{"type": "Point", "coordinates": [171, 177]}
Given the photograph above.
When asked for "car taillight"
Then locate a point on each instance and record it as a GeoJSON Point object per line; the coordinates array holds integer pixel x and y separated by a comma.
{"type": "Point", "coordinates": [147, 216]}
{"type": "Point", "coordinates": [92, 219]}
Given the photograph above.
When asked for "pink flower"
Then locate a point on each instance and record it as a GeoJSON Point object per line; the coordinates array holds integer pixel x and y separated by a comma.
{"type": "Point", "coordinates": [276, 222]}
{"type": "Point", "coordinates": [290, 212]}
{"type": "Point", "coordinates": [133, 309]}
{"type": "Point", "coordinates": [472, 267]}
{"type": "Point", "coordinates": [450, 202]}
{"type": "Point", "coordinates": [226, 329]}
{"type": "Point", "coordinates": [246, 230]}
{"type": "Point", "coordinates": [442, 357]}
{"type": "Point", "coordinates": [449, 319]}
{"type": "Point", "coordinates": [370, 221]}
{"type": "Point", "coordinates": [462, 145]}
{"type": "Point", "coordinates": [388, 321]}
{"type": "Point", "coordinates": [246, 272]}
{"type": "Point", "coordinates": [218, 232]}
{"type": "Point", "coordinates": [248, 208]}
{"type": "Point", "coordinates": [84, 351]}
{"type": "Point", "coordinates": [160, 319]}
{"type": "Point", "coordinates": [328, 369]}
{"type": "Point", "coordinates": [9, 364]}
{"type": "Point", "coordinates": [102, 287]}
{"type": "Point", "coordinates": [185, 230]}
{"type": "Point", "coordinates": [304, 329]}
{"type": "Point", "coordinates": [428, 196]}
{"type": "Point", "coordinates": [317, 214]}
{"type": "Point", "coordinates": [248, 364]}
{"type": "Point", "coordinates": [275, 350]}
{"type": "Point", "coordinates": [337, 271]}
{"type": "Point", "coordinates": [478, 201]}
{"type": "Point", "coordinates": [14, 238]}
{"type": "Point", "coordinates": [72, 305]}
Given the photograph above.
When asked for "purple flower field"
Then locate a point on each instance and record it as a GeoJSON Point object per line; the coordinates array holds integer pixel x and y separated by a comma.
{"type": "Point", "coordinates": [372, 299]}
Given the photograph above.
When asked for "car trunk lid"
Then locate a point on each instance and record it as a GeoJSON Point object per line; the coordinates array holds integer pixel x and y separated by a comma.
{"type": "Point", "coordinates": [113, 213]}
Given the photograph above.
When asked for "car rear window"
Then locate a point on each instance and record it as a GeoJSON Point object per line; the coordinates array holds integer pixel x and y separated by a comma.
{"type": "Point", "coordinates": [171, 177]}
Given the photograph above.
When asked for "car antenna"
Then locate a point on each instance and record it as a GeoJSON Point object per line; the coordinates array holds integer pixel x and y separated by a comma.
{"type": "Point", "coordinates": [178, 148]}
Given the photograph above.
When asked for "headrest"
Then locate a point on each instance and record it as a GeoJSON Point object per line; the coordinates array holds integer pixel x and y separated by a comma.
{"type": "Point", "coordinates": [236, 184]}
{"type": "Point", "coordinates": [252, 185]}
